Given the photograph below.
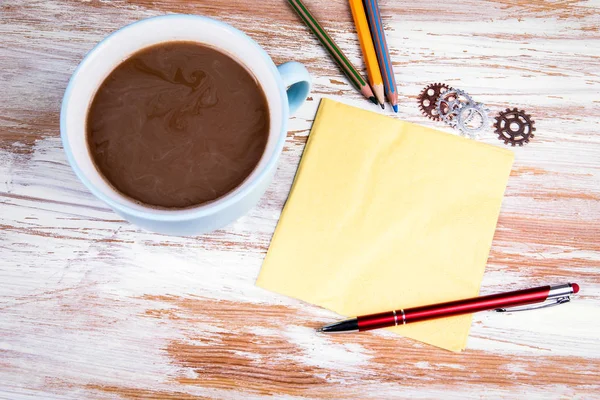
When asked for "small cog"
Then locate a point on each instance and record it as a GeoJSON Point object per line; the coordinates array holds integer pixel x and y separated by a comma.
{"type": "Point", "coordinates": [514, 127]}
{"type": "Point", "coordinates": [429, 97]}
{"type": "Point", "coordinates": [471, 119]}
{"type": "Point", "coordinates": [448, 104]}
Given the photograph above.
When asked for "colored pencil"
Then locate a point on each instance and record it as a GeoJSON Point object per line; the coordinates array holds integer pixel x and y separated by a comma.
{"type": "Point", "coordinates": [368, 49]}
{"type": "Point", "coordinates": [383, 55]}
{"type": "Point", "coordinates": [349, 70]}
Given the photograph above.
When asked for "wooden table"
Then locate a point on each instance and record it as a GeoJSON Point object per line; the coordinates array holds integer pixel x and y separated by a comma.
{"type": "Point", "coordinates": [93, 307]}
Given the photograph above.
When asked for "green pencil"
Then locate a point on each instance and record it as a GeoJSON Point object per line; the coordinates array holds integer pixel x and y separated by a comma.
{"type": "Point", "coordinates": [349, 70]}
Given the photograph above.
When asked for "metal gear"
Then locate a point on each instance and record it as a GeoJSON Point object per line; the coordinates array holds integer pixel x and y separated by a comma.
{"type": "Point", "coordinates": [429, 97]}
{"type": "Point", "coordinates": [514, 127]}
{"type": "Point", "coordinates": [471, 119]}
{"type": "Point", "coordinates": [448, 104]}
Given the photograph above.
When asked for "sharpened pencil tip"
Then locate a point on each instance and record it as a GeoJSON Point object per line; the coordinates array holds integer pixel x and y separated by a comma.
{"type": "Point", "coordinates": [395, 107]}
{"type": "Point", "coordinates": [374, 100]}
{"type": "Point", "coordinates": [382, 106]}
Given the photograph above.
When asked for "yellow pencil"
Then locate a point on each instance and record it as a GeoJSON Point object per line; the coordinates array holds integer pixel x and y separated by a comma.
{"type": "Point", "coordinates": [368, 49]}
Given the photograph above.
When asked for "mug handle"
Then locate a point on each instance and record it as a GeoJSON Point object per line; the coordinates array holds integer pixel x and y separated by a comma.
{"type": "Point", "coordinates": [297, 80]}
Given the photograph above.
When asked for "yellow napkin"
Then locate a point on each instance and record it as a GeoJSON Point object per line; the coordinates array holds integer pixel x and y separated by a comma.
{"type": "Point", "coordinates": [385, 214]}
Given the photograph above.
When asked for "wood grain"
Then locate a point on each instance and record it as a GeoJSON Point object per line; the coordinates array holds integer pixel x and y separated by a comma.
{"type": "Point", "coordinates": [93, 307]}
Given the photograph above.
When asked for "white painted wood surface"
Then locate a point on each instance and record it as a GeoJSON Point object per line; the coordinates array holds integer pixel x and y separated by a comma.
{"type": "Point", "coordinates": [92, 307]}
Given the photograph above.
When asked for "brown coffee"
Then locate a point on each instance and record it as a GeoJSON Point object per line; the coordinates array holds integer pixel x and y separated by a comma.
{"type": "Point", "coordinates": [177, 125]}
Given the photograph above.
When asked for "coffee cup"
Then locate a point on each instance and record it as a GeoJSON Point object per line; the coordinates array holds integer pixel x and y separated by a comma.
{"type": "Point", "coordinates": [285, 87]}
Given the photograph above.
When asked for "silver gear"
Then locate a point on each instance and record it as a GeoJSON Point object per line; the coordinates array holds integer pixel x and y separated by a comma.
{"type": "Point", "coordinates": [466, 114]}
{"type": "Point", "coordinates": [448, 104]}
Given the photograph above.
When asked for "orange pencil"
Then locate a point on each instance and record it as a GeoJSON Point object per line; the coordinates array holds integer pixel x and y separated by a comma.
{"type": "Point", "coordinates": [368, 49]}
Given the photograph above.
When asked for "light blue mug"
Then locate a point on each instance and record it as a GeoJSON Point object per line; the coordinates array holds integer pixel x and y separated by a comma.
{"type": "Point", "coordinates": [286, 88]}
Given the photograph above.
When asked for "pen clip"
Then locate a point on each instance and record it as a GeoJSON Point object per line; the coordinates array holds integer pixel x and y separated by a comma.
{"type": "Point", "coordinates": [548, 303]}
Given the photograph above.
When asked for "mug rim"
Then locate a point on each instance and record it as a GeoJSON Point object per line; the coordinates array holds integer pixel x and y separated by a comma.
{"type": "Point", "coordinates": [204, 209]}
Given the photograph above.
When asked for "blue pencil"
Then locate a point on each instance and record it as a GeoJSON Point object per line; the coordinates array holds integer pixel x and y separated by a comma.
{"type": "Point", "coordinates": [383, 54]}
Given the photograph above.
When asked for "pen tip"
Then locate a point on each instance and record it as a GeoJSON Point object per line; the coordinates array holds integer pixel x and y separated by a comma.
{"type": "Point", "coordinates": [319, 330]}
{"type": "Point", "coordinates": [374, 100]}
{"type": "Point", "coordinates": [395, 107]}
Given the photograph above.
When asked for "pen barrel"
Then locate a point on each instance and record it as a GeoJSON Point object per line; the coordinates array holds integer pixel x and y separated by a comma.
{"type": "Point", "coordinates": [468, 306]}
{"type": "Point", "coordinates": [379, 320]}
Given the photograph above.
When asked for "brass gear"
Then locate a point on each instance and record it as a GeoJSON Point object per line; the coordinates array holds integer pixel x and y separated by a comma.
{"type": "Point", "coordinates": [429, 97]}
{"type": "Point", "coordinates": [514, 127]}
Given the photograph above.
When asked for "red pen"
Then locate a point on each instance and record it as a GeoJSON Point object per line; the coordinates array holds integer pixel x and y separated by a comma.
{"type": "Point", "coordinates": [544, 296]}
